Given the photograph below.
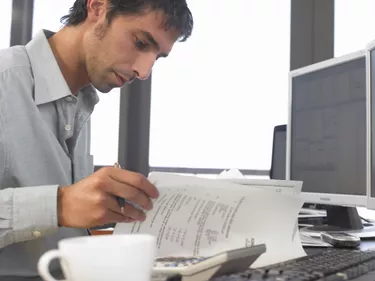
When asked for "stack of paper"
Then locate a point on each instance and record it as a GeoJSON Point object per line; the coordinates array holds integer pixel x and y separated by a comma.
{"type": "Point", "coordinates": [310, 241]}
{"type": "Point", "coordinates": [202, 217]}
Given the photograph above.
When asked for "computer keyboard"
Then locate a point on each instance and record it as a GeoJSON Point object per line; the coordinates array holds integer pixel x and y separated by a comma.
{"type": "Point", "coordinates": [328, 265]}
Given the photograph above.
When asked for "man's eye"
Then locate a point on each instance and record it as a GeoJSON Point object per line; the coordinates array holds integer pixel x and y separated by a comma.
{"type": "Point", "coordinates": [141, 45]}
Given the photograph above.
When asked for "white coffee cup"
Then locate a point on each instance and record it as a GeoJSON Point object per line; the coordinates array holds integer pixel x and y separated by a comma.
{"type": "Point", "coordinates": [102, 257]}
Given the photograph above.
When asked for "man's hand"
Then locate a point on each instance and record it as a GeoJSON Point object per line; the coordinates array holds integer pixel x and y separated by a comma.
{"type": "Point", "coordinates": [92, 201]}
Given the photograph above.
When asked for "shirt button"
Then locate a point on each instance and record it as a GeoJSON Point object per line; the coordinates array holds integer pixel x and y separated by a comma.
{"type": "Point", "coordinates": [68, 127]}
{"type": "Point", "coordinates": [69, 98]}
{"type": "Point", "coordinates": [37, 234]}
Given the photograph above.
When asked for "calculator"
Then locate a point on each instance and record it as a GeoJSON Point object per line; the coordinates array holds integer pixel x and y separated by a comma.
{"type": "Point", "coordinates": [205, 268]}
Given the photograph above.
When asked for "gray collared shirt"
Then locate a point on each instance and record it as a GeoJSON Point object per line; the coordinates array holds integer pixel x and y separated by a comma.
{"type": "Point", "coordinates": [44, 144]}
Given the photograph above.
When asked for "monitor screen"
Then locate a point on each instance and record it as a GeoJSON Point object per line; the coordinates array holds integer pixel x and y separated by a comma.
{"type": "Point", "coordinates": [279, 153]}
{"type": "Point", "coordinates": [328, 129]}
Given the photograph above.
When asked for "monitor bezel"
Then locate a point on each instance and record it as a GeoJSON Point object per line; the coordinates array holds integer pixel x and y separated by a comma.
{"type": "Point", "coordinates": [321, 198]}
{"type": "Point", "coordinates": [370, 200]}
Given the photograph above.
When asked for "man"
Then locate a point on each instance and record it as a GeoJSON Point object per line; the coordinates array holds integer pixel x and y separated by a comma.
{"type": "Point", "coordinates": [47, 93]}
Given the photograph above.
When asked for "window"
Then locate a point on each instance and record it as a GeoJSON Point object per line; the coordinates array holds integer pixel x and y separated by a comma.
{"type": "Point", "coordinates": [105, 118]}
{"type": "Point", "coordinates": [47, 14]}
{"type": "Point", "coordinates": [218, 96]}
{"type": "Point", "coordinates": [354, 25]}
{"type": "Point", "coordinates": [5, 23]}
{"type": "Point", "coordinates": [105, 128]}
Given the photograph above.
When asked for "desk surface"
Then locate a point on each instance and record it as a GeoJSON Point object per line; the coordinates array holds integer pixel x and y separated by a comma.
{"type": "Point", "coordinates": [365, 245]}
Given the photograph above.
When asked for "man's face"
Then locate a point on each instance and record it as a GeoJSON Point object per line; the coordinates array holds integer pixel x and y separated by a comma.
{"type": "Point", "coordinates": [126, 49]}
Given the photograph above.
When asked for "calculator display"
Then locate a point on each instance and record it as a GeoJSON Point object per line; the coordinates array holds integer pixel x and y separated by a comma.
{"type": "Point", "coordinates": [177, 261]}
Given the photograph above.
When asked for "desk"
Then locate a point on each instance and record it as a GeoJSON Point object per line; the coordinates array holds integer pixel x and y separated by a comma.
{"type": "Point", "coordinates": [365, 245]}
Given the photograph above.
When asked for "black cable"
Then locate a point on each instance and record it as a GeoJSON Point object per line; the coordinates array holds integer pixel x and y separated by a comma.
{"type": "Point", "coordinates": [366, 220]}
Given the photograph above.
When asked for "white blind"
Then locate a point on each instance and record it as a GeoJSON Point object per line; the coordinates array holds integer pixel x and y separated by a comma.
{"type": "Point", "coordinates": [5, 23]}
{"type": "Point", "coordinates": [354, 25]}
{"type": "Point", "coordinates": [217, 98]}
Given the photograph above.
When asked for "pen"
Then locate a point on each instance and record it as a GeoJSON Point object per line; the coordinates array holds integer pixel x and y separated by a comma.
{"type": "Point", "coordinates": [120, 200]}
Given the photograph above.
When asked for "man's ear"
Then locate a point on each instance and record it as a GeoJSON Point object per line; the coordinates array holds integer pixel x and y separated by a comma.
{"type": "Point", "coordinates": [96, 9]}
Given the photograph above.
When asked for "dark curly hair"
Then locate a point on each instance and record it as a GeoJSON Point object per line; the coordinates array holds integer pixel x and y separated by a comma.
{"type": "Point", "coordinates": [177, 14]}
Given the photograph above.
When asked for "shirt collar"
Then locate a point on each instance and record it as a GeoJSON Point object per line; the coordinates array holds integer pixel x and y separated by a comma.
{"type": "Point", "coordinates": [50, 84]}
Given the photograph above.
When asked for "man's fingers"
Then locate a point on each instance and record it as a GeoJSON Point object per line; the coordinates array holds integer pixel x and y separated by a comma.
{"type": "Point", "coordinates": [113, 217]}
{"type": "Point", "coordinates": [136, 180]}
{"type": "Point", "coordinates": [129, 193]}
{"type": "Point", "coordinates": [132, 213]}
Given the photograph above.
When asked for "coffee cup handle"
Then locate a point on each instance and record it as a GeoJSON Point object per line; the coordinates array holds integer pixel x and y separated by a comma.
{"type": "Point", "coordinates": [45, 260]}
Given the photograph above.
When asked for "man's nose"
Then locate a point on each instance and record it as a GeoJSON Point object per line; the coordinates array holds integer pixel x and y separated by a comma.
{"type": "Point", "coordinates": [142, 68]}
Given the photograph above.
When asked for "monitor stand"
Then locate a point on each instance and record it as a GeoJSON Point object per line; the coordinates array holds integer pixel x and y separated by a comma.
{"type": "Point", "coordinates": [344, 219]}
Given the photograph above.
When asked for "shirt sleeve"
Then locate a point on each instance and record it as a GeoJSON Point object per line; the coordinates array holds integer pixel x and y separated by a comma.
{"type": "Point", "coordinates": [25, 212]}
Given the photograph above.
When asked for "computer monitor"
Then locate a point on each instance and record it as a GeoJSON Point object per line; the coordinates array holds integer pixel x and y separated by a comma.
{"type": "Point", "coordinates": [326, 137]}
{"type": "Point", "coordinates": [370, 90]}
{"type": "Point", "coordinates": [278, 165]}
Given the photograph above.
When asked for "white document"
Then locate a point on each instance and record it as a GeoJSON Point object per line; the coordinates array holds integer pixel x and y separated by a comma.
{"type": "Point", "coordinates": [202, 217]}
{"type": "Point", "coordinates": [307, 240]}
{"type": "Point", "coordinates": [231, 174]}
{"type": "Point", "coordinates": [282, 186]}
